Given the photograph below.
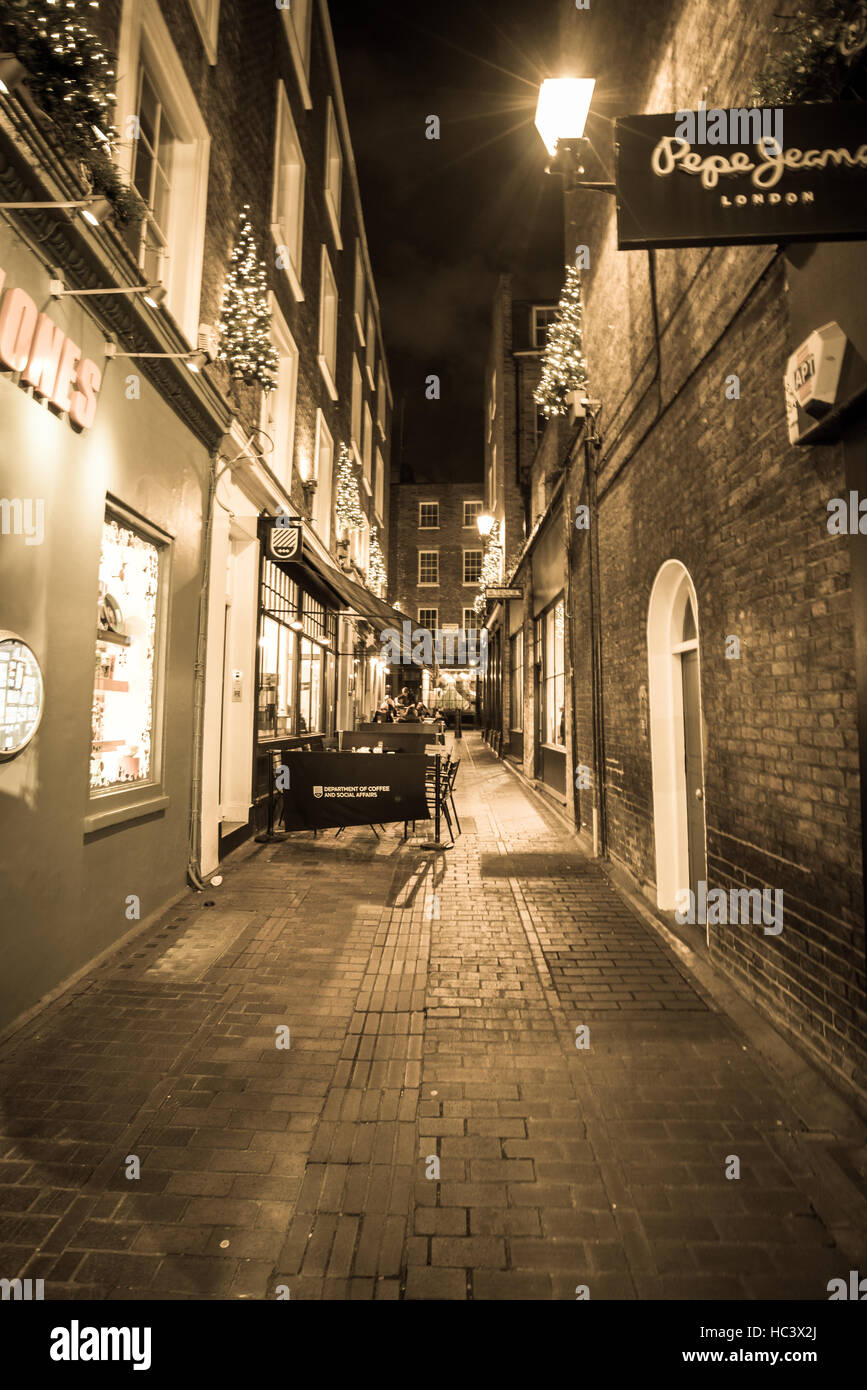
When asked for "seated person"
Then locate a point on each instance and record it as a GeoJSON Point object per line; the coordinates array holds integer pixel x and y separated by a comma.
{"type": "Point", "coordinates": [422, 710]}
{"type": "Point", "coordinates": [385, 712]}
{"type": "Point", "coordinates": [410, 715]}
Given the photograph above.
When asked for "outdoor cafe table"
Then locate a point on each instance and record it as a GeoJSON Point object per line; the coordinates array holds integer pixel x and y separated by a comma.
{"type": "Point", "coordinates": [335, 789]}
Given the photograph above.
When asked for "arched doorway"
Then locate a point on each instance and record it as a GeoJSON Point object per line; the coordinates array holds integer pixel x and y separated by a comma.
{"type": "Point", "coordinates": [676, 734]}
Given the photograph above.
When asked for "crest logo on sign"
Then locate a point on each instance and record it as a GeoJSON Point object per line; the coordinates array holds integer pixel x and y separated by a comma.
{"type": "Point", "coordinates": [285, 540]}
{"type": "Point", "coordinates": [317, 792]}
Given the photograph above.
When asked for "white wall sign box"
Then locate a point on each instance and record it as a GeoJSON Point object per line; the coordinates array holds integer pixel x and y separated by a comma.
{"type": "Point", "coordinates": [22, 695]}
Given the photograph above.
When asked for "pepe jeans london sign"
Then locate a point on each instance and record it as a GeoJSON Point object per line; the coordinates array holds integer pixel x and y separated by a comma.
{"type": "Point", "coordinates": [810, 187]}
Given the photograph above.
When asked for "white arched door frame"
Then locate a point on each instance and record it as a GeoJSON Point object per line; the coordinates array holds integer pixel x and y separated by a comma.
{"type": "Point", "coordinates": [672, 588]}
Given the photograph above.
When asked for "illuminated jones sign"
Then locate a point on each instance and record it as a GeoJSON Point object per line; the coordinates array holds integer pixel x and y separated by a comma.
{"type": "Point", "coordinates": [812, 379]}
{"type": "Point", "coordinates": [47, 359]}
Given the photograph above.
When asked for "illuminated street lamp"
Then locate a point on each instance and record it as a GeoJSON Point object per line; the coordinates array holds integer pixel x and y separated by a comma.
{"type": "Point", "coordinates": [485, 523]}
{"type": "Point", "coordinates": [561, 115]}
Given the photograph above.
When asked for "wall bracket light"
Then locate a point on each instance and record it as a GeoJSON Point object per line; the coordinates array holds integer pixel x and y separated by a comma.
{"type": "Point", "coordinates": [93, 210]}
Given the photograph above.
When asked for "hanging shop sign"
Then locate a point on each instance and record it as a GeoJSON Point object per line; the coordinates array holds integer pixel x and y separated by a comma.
{"type": "Point", "coordinates": [494, 593]}
{"type": "Point", "coordinates": [22, 695]}
{"type": "Point", "coordinates": [810, 185]}
{"type": "Point", "coordinates": [286, 540]}
{"type": "Point", "coordinates": [46, 358]}
{"type": "Point", "coordinates": [812, 379]}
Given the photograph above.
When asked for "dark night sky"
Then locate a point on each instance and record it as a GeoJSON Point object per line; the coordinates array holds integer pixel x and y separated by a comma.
{"type": "Point", "coordinates": [443, 217]}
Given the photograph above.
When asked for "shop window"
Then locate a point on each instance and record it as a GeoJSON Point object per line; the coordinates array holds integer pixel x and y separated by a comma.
{"type": "Point", "coordinates": [428, 617]}
{"type": "Point", "coordinates": [311, 688]}
{"type": "Point", "coordinates": [472, 510]}
{"type": "Point", "coordinates": [124, 714]}
{"type": "Point", "coordinates": [428, 516]}
{"type": "Point", "coordinates": [472, 566]}
{"type": "Point", "coordinates": [516, 676]}
{"type": "Point", "coordinates": [328, 325]}
{"type": "Point", "coordinates": [553, 677]}
{"type": "Point", "coordinates": [428, 567]}
{"type": "Point", "coordinates": [277, 653]}
{"type": "Point", "coordinates": [287, 208]}
{"type": "Point", "coordinates": [165, 156]}
{"type": "Point", "coordinates": [333, 173]}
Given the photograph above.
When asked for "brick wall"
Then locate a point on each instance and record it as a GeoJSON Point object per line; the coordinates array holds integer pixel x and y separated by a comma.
{"type": "Point", "coordinates": [237, 99]}
{"type": "Point", "coordinates": [451, 596]}
{"type": "Point", "coordinates": [686, 473]}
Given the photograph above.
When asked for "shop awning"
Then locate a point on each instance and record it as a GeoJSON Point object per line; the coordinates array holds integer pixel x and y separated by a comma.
{"type": "Point", "coordinates": [354, 597]}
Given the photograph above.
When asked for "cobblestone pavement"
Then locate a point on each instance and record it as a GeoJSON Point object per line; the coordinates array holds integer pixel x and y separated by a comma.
{"type": "Point", "coordinates": [432, 1002]}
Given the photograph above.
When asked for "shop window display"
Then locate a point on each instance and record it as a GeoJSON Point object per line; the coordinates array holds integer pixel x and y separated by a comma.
{"type": "Point", "coordinates": [126, 627]}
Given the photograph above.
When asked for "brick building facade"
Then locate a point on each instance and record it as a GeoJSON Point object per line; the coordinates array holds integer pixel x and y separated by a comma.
{"type": "Point", "coordinates": [690, 757]}
{"type": "Point", "coordinates": [159, 512]}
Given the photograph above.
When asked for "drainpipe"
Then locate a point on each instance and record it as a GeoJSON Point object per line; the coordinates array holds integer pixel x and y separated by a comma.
{"type": "Point", "coordinates": [194, 863]}
{"type": "Point", "coordinates": [600, 836]}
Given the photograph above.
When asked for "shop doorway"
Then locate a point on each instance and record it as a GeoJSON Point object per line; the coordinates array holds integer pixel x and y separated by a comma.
{"type": "Point", "coordinates": [676, 734]}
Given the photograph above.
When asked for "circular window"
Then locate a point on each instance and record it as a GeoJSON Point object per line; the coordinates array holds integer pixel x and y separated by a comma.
{"type": "Point", "coordinates": [22, 695]}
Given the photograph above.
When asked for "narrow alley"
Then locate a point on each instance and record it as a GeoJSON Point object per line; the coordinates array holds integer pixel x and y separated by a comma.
{"type": "Point", "coordinates": [498, 1082]}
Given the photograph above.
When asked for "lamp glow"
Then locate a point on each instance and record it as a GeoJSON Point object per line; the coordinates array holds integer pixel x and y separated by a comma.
{"type": "Point", "coordinates": [485, 524]}
{"type": "Point", "coordinates": [561, 113]}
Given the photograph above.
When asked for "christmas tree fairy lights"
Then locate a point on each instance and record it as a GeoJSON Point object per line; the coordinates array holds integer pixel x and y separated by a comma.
{"type": "Point", "coordinates": [71, 76]}
{"type": "Point", "coordinates": [376, 571]}
{"type": "Point", "coordinates": [347, 507]}
{"type": "Point", "coordinates": [564, 367]}
{"type": "Point", "coordinates": [245, 318]}
{"type": "Point", "coordinates": [492, 566]}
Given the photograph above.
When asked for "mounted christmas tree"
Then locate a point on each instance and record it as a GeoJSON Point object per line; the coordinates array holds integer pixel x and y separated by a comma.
{"type": "Point", "coordinates": [245, 322]}
{"type": "Point", "coordinates": [71, 77]}
{"type": "Point", "coordinates": [564, 367]}
{"type": "Point", "coordinates": [347, 505]}
{"type": "Point", "coordinates": [376, 572]}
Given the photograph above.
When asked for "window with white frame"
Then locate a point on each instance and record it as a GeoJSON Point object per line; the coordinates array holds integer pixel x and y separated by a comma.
{"type": "Point", "coordinates": [379, 486]}
{"type": "Point", "coordinates": [357, 401]}
{"type": "Point", "coordinates": [278, 407]}
{"type": "Point", "coordinates": [333, 173]}
{"type": "Point", "coordinates": [165, 157]}
{"type": "Point", "coordinates": [429, 567]}
{"type": "Point", "coordinates": [206, 13]}
{"type": "Point", "coordinates": [328, 325]}
{"type": "Point", "coordinates": [360, 285]}
{"type": "Point", "coordinates": [380, 401]}
{"type": "Point", "coordinates": [359, 547]}
{"type": "Point", "coordinates": [296, 21]}
{"type": "Point", "coordinates": [428, 516]}
{"type": "Point", "coordinates": [542, 316]}
{"type": "Point", "coordinates": [287, 207]}
{"type": "Point", "coordinates": [472, 510]}
{"type": "Point", "coordinates": [471, 620]}
{"type": "Point", "coordinates": [367, 450]}
{"type": "Point", "coordinates": [370, 345]}
{"type": "Point", "coordinates": [428, 617]}
{"type": "Point", "coordinates": [472, 566]}
{"type": "Point", "coordinates": [323, 470]}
